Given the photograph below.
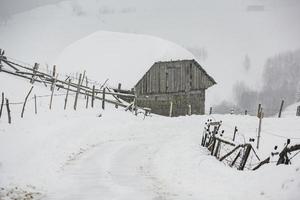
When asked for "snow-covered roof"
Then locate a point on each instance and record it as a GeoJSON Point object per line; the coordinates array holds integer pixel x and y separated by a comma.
{"type": "Point", "coordinates": [119, 57]}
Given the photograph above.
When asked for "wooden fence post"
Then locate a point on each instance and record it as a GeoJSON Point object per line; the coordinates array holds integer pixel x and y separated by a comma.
{"type": "Point", "coordinates": [217, 148]}
{"type": "Point", "coordinates": [52, 91]}
{"type": "Point", "coordinates": [87, 101]}
{"type": "Point", "coordinates": [234, 133]}
{"type": "Point", "coordinates": [118, 91]}
{"type": "Point", "coordinates": [77, 92]}
{"type": "Point", "coordinates": [204, 139]}
{"type": "Point", "coordinates": [0, 59]}
{"type": "Point", "coordinates": [245, 156]}
{"type": "Point", "coordinates": [53, 76]}
{"type": "Point", "coordinates": [259, 127]}
{"type": "Point", "coordinates": [171, 109]}
{"type": "Point", "coordinates": [54, 71]}
{"type": "Point", "coordinates": [82, 78]}
{"type": "Point", "coordinates": [86, 93]}
{"type": "Point", "coordinates": [213, 144]}
{"type": "Point", "coordinates": [8, 111]}
{"type": "Point", "coordinates": [280, 110]}
{"type": "Point", "coordinates": [93, 96]}
{"type": "Point", "coordinates": [86, 84]}
{"type": "Point", "coordinates": [35, 68]}
{"type": "Point", "coordinates": [35, 106]}
{"type": "Point", "coordinates": [246, 112]}
{"type": "Point", "coordinates": [24, 104]}
{"type": "Point", "coordinates": [103, 98]}
{"type": "Point", "coordinates": [67, 94]}
{"type": "Point", "coordinates": [2, 103]}
{"type": "Point", "coordinates": [258, 110]}
{"type": "Point", "coordinates": [135, 106]}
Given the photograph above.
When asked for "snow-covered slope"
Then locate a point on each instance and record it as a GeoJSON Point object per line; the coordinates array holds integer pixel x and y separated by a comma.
{"type": "Point", "coordinates": [72, 155]}
{"type": "Point", "coordinates": [291, 110]}
{"type": "Point", "coordinates": [119, 57]}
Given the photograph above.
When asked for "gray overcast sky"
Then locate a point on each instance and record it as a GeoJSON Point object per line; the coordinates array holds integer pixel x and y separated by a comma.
{"type": "Point", "coordinates": [9, 7]}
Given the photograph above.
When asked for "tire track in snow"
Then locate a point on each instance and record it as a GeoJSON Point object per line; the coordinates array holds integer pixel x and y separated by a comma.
{"type": "Point", "coordinates": [114, 169]}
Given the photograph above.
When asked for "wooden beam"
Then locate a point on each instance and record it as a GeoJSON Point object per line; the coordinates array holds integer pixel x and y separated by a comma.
{"type": "Point", "coordinates": [229, 153]}
{"type": "Point", "coordinates": [2, 103]}
{"type": "Point", "coordinates": [77, 92]}
{"type": "Point", "coordinates": [67, 94]}
{"type": "Point", "coordinates": [24, 104]}
{"type": "Point", "coordinates": [245, 156]}
{"type": "Point", "coordinates": [10, 65]}
{"type": "Point", "coordinates": [93, 96]}
{"type": "Point", "coordinates": [103, 99]}
{"type": "Point", "coordinates": [8, 110]}
{"type": "Point", "coordinates": [280, 110]}
{"type": "Point", "coordinates": [52, 91]}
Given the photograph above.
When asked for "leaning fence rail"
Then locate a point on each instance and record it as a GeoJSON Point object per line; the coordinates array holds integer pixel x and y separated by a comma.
{"type": "Point", "coordinates": [81, 86]}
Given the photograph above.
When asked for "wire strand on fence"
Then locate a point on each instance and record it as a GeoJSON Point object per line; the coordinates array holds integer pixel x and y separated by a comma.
{"type": "Point", "coordinates": [281, 136]}
{"type": "Point", "coordinates": [32, 98]}
{"type": "Point", "coordinates": [46, 70]}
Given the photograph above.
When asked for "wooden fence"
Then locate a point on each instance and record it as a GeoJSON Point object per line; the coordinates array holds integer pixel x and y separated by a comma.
{"type": "Point", "coordinates": [235, 155]}
{"type": "Point", "coordinates": [80, 86]}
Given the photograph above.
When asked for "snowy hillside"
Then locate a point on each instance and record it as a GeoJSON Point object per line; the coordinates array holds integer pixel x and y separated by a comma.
{"type": "Point", "coordinates": [119, 57]}
{"type": "Point", "coordinates": [84, 154]}
{"type": "Point", "coordinates": [290, 111]}
{"type": "Point", "coordinates": [76, 155]}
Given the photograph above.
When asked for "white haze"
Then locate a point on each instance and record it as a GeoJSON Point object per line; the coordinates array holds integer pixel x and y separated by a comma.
{"type": "Point", "coordinates": [224, 29]}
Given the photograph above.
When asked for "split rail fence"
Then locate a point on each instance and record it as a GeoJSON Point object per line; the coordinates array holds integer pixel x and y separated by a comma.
{"type": "Point", "coordinates": [241, 156]}
{"type": "Point", "coordinates": [80, 86]}
{"type": "Point", "coordinates": [235, 155]}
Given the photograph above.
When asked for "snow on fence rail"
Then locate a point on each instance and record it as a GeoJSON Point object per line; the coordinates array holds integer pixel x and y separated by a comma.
{"type": "Point", "coordinates": [118, 96]}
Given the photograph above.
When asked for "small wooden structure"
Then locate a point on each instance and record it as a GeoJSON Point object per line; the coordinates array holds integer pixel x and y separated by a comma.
{"type": "Point", "coordinates": [174, 88]}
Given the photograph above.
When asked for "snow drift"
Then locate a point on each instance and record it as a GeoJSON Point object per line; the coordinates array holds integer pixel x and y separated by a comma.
{"type": "Point", "coordinates": [291, 110]}
{"type": "Point", "coordinates": [119, 57]}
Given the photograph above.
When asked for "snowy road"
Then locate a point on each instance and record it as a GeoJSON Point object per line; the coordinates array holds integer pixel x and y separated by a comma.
{"type": "Point", "coordinates": [116, 169]}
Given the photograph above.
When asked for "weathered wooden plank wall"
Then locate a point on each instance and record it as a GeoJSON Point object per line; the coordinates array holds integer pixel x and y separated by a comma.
{"type": "Point", "coordinates": [172, 77]}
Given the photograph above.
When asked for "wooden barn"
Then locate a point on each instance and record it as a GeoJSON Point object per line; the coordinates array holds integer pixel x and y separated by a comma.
{"type": "Point", "coordinates": [174, 88]}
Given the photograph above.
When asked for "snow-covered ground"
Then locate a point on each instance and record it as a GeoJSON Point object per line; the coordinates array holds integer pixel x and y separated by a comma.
{"type": "Point", "coordinates": [291, 110]}
{"type": "Point", "coordinates": [59, 154]}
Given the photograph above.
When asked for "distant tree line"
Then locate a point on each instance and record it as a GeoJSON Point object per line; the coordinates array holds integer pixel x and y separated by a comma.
{"type": "Point", "coordinates": [281, 80]}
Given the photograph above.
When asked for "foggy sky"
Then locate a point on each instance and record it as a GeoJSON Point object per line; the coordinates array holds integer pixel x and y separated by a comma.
{"type": "Point", "coordinates": [223, 29]}
{"type": "Point", "coordinates": [11, 7]}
